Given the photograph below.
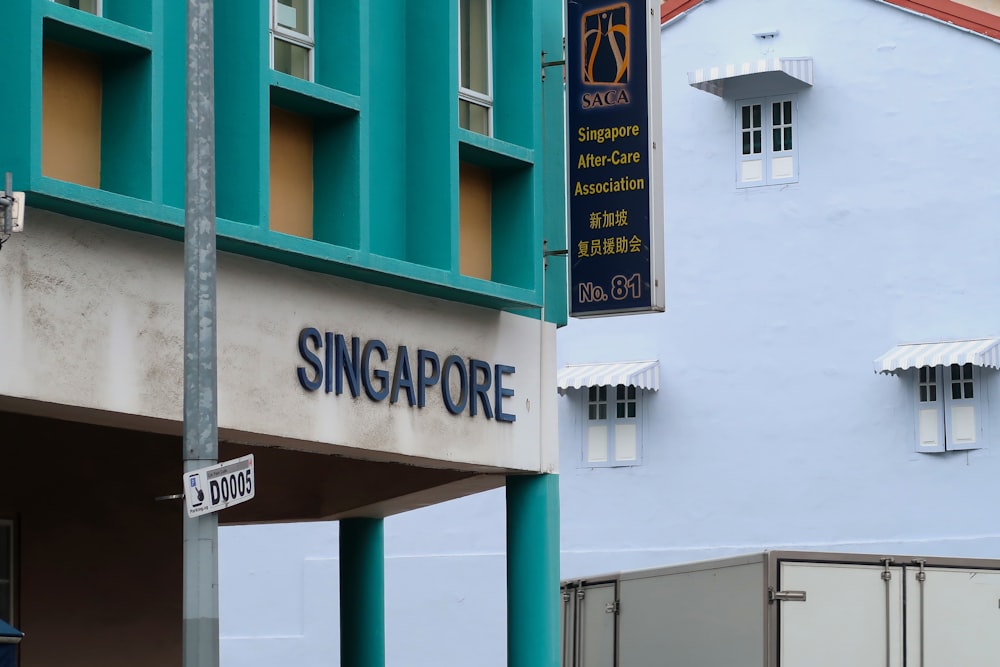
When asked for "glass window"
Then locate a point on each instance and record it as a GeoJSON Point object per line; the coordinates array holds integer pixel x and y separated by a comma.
{"type": "Point", "coordinates": [961, 381]}
{"type": "Point", "coordinates": [89, 6]}
{"type": "Point", "coordinates": [291, 58]}
{"type": "Point", "coordinates": [766, 143]}
{"type": "Point", "coordinates": [473, 116]}
{"type": "Point", "coordinates": [625, 402]}
{"type": "Point", "coordinates": [928, 385]}
{"type": "Point", "coordinates": [751, 129]}
{"type": "Point", "coordinates": [292, 37]}
{"type": "Point", "coordinates": [475, 91]}
{"type": "Point", "coordinates": [293, 15]}
{"type": "Point", "coordinates": [598, 403]}
{"type": "Point", "coordinates": [781, 126]}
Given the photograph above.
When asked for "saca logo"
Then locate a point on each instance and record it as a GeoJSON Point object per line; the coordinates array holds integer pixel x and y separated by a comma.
{"type": "Point", "coordinates": [605, 98]}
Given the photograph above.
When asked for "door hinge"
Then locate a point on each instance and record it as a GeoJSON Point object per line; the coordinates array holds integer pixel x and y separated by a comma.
{"type": "Point", "coordinates": [612, 607]}
{"type": "Point", "coordinates": [785, 596]}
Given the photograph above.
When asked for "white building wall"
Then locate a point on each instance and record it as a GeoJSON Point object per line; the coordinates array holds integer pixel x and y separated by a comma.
{"type": "Point", "coordinates": [99, 312]}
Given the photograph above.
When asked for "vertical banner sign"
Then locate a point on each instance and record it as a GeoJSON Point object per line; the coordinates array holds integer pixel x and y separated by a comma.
{"type": "Point", "coordinates": [615, 169]}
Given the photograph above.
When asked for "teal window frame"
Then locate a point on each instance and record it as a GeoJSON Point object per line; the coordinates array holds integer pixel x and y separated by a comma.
{"type": "Point", "coordinates": [391, 214]}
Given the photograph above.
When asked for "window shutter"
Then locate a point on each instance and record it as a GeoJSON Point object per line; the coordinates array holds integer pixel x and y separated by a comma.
{"type": "Point", "coordinates": [626, 442]}
{"type": "Point", "coordinates": [930, 429]}
{"type": "Point", "coordinates": [766, 141]}
{"type": "Point", "coordinates": [597, 444]}
{"type": "Point", "coordinates": [962, 395]}
{"type": "Point", "coordinates": [783, 161]}
{"type": "Point", "coordinates": [750, 143]}
{"type": "Point", "coordinates": [612, 434]}
{"type": "Point", "coordinates": [930, 410]}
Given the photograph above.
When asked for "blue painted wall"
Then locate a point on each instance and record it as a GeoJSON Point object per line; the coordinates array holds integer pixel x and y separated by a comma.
{"type": "Point", "coordinates": [770, 428]}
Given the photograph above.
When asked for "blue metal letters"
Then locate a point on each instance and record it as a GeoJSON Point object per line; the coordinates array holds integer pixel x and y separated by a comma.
{"type": "Point", "coordinates": [329, 361]}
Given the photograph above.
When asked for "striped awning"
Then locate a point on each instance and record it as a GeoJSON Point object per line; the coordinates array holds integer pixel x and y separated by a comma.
{"type": "Point", "coordinates": [983, 352]}
{"type": "Point", "coordinates": [766, 76]}
{"type": "Point", "coordinates": [640, 374]}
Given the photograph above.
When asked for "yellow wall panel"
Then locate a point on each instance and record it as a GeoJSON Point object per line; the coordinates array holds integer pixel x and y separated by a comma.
{"type": "Point", "coordinates": [475, 221]}
{"type": "Point", "coordinates": [71, 115]}
{"type": "Point", "coordinates": [291, 173]}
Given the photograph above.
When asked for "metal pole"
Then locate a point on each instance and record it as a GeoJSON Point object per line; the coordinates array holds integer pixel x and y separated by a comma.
{"type": "Point", "coordinates": [201, 446]}
{"type": "Point", "coordinates": [7, 226]}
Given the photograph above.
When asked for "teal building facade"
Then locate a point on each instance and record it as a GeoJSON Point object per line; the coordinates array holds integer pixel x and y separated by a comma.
{"type": "Point", "coordinates": [390, 199]}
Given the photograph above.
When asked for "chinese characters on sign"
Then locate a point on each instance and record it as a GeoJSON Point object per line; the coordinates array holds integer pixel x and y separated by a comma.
{"type": "Point", "coordinates": [609, 245]}
{"type": "Point", "coordinates": [615, 244]}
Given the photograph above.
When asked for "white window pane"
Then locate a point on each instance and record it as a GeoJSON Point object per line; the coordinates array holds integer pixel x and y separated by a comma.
{"type": "Point", "coordinates": [751, 171]}
{"type": "Point", "coordinates": [928, 424]}
{"type": "Point", "coordinates": [597, 444]}
{"type": "Point", "coordinates": [626, 444]}
{"type": "Point", "coordinates": [291, 59]}
{"type": "Point", "coordinates": [963, 424]}
{"type": "Point", "coordinates": [293, 15]}
{"type": "Point", "coordinates": [782, 167]}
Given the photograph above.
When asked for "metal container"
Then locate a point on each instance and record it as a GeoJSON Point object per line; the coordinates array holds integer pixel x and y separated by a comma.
{"type": "Point", "coordinates": [788, 609]}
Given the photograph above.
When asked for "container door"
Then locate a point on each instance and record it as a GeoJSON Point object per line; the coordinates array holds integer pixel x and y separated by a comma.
{"type": "Point", "coordinates": [596, 613]}
{"type": "Point", "coordinates": [852, 615]}
{"type": "Point", "coordinates": [952, 617]}
{"type": "Point", "coordinates": [568, 619]}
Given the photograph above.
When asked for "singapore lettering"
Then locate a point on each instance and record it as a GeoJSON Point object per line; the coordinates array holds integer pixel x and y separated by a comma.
{"type": "Point", "coordinates": [331, 361]}
{"type": "Point", "coordinates": [602, 134]}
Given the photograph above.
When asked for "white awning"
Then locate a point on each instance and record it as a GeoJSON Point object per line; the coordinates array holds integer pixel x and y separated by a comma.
{"type": "Point", "coordinates": [640, 374]}
{"type": "Point", "coordinates": [756, 78]}
{"type": "Point", "coordinates": [983, 352]}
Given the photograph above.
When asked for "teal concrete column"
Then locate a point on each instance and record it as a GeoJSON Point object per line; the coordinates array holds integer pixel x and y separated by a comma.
{"type": "Point", "coordinates": [362, 593]}
{"type": "Point", "coordinates": [533, 571]}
